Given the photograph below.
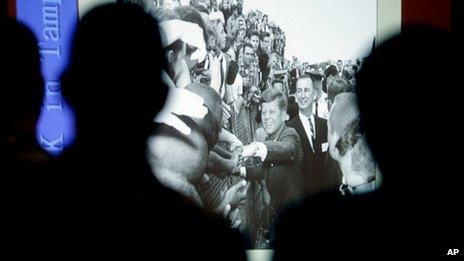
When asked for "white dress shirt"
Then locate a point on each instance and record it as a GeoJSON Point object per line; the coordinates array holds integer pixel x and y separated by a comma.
{"type": "Point", "coordinates": [218, 78]}
{"type": "Point", "coordinates": [305, 121]}
{"type": "Point", "coordinates": [323, 107]}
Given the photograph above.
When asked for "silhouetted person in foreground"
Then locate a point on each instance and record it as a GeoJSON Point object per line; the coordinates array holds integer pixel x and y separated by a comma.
{"type": "Point", "coordinates": [410, 116]}
{"type": "Point", "coordinates": [4, 9]}
{"type": "Point", "coordinates": [23, 164]}
{"type": "Point", "coordinates": [21, 96]}
{"type": "Point", "coordinates": [112, 199]}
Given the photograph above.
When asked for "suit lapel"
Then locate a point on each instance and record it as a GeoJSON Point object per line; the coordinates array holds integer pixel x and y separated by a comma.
{"type": "Point", "coordinates": [304, 139]}
{"type": "Point", "coordinates": [321, 133]}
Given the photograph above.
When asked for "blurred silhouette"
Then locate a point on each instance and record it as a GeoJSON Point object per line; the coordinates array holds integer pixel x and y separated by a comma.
{"type": "Point", "coordinates": [113, 83]}
{"type": "Point", "coordinates": [19, 112]}
{"type": "Point", "coordinates": [105, 199]}
{"type": "Point", "coordinates": [409, 115]}
{"type": "Point", "coordinates": [3, 9]}
{"type": "Point", "coordinates": [23, 164]}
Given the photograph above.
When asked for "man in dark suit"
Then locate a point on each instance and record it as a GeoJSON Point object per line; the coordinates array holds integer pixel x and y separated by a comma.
{"type": "Point", "coordinates": [320, 172]}
{"type": "Point", "coordinates": [416, 205]}
{"type": "Point", "coordinates": [277, 179]}
{"type": "Point", "coordinates": [279, 148]}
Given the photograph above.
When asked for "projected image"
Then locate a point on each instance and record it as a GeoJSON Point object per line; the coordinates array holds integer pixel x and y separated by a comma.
{"type": "Point", "coordinates": [53, 23]}
{"type": "Point", "coordinates": [265, 111]}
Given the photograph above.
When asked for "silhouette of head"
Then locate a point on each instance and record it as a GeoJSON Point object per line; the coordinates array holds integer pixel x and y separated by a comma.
{"type": "Point", "coordinates": [3, 9]}
{"type": "Point", "coordinates": [407, 112]}
{"type": "Point", "coordinates": [113, 79]}
{"type": "Point", "coordinates": [22, 83]}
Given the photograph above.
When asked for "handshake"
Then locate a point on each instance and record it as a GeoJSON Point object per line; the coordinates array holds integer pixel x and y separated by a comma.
{"type": "Point", "coordinates": [248, 155]}
{"type": "Point", "coordinates": [223, 162]}
{"type": "Point", "coordinates": [251, 150]}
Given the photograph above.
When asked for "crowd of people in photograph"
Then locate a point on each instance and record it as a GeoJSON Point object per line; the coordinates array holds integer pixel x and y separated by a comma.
{"type": "Point", "coordinates": [196, 139]}
{"type": "Point", "coordinates": [260, 137]}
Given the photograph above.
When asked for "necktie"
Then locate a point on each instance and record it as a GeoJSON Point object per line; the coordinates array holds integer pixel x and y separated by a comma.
{"type": "Point", "coordinates": [311, 128]}
{"type": "Point", "coordinates": [222, 77]}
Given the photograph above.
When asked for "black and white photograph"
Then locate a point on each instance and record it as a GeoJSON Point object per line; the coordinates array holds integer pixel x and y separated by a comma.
{"type": "Point", "coordinates": [261, 110]}
{"type": "Point", "coordinates": [232, 129]}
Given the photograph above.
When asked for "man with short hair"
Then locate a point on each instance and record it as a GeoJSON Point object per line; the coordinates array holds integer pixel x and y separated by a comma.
{"type": "Point", "coordinates": [253, 39]}
{"type": "Point", "coordinates": [249, 70]}
{"type": "Point", "coordinates": [320, 171]}
{"type": "Point", "coordinates": [248, 53]}
{"type": "Point", "coordinates": [348, 146]}
{"type": "Point", "coordinates": [240, 36]}
{"type": "Point", "coordinates": [336, 86]}
{"type": "Point", "coordinates": [265, 42]}
{"type": "Point", "coordinates": [279, 85]}
{"type": "Point", "coordinates": [246, 123]}
{"type": "Point", "coordinates": [224, 7]}
{"type": "Point", "coordinates": [278, 147]}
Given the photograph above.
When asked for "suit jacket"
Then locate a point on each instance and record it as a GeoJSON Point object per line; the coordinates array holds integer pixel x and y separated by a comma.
{"type": "Point", "coordinates": [320, 172]}
{"type": "Point", "coordinates": [282, 168]}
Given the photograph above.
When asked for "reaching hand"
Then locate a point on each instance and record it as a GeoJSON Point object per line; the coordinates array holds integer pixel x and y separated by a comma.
{"type": "Point", "coordinates": [233, 216]}
{"type": "Point", "coordinates": [235, 143]}
{"type": "Point", "coordinates": [230, 138]}
{"type": "Point", "coordinates": [249, 150]}
{"type": "Point", "coordinates": [233, 198]}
